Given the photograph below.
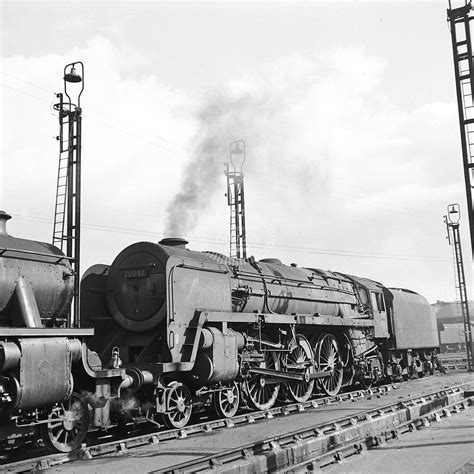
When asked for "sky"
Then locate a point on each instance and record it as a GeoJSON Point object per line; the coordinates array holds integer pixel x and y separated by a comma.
{"type": "Point", "coordinates": [347, 109]}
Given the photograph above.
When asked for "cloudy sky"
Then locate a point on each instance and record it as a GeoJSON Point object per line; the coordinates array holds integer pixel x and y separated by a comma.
{"type": "Point", "coordinates": [348, 111]}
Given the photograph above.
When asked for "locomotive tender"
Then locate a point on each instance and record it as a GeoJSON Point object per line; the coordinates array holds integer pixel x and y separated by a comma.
{"type": "Point", "coordinates": [166, 330]}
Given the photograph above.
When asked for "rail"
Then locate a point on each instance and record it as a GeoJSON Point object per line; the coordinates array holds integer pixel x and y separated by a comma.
{"type": "Point", "coordinates": [311, 447]}
{"type": "Point", "coordinates": [331, 438]}
{"type": "Point", "coordinates": [40, 460]}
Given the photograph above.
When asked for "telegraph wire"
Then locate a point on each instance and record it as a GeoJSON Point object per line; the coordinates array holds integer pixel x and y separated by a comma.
{"type": "Point", "coordinates": [127, 127]}
{"type": "Point", "coordinates": [274, 183]}
{"type": "Point", "coordinates": [23, 92]}
{"type": "Point", "coordinates": [256, 245]}
{"type": "Point", "coordinates": [185, 152]}
{"type": "Point", "coordinates": [26, 82]}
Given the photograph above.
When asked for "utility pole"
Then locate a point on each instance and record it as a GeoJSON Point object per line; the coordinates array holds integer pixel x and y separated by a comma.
{"type": "Point", "coordinates": [236, 199]}
{"type": "Point", "coordinates": [67, 210]}
{"type": "Point", "coordinates": [452, 226]}
{"type": "Point", "coordinates": [459, 20]}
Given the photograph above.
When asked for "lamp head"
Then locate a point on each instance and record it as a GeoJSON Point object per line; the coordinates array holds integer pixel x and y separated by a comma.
{"type": "Point", "coordinates": [454, 213]}
{"type": "Point", "coordinates": [72, 76]}
{"type": "Point", "coordinates": [237, 155]}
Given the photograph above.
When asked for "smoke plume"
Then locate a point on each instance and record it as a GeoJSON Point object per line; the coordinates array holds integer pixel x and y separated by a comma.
{"type": "Point", "coordinates": [222, 119]}
{"type": "Point", "coordinates": [286, 114]}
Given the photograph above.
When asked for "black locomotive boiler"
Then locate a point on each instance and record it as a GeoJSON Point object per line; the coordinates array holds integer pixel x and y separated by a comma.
{"type": "Point", "coordinates": [197, 329]}
{"type": "Point", "coordinates": [48, 376]}
{"type": "Point", "coordinates": [36, 360]}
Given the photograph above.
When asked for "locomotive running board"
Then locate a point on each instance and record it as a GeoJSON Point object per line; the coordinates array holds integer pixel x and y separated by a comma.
{"type": "Point", "coordinates": [45, 332]}
{"type": "Point", "coordinates": [307, 319]}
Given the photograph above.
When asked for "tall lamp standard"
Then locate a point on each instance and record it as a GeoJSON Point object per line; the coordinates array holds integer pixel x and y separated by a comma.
{"type": "Point", "coordinates": [452, 225]}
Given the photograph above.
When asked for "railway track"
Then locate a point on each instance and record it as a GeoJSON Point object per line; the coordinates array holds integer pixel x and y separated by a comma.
{"type": "Point", "coordinates": [371, 423]}
{"type": "Point", "coordinates": [110, 444]}
{"type": "Point", "coordinates": [454, 363]}
{"type": "Point", "coordinates": [324, 444]}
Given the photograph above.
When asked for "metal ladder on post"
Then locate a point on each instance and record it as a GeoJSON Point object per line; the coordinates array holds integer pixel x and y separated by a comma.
{"type": "Point", "coordinates": [240, 215]}
{"type": "Point", "coordinates": [59, 236]}
{"type": "Point", "coordinates": [459, 21]}
{"type": "Point", "coordinates": [460, 282]}
{"type": "Point", "coordinates": [234, 222]}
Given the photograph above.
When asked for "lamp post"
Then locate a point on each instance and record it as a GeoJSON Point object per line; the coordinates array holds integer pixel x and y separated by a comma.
{"type": "Point", "coordinates": [452, 225]}
{"type": "Point", "coordinates": [460, 21]}
{"type": "Point", "coordinates": [236, 200]}
{"type": "Point", "coordinates": [67, 217]}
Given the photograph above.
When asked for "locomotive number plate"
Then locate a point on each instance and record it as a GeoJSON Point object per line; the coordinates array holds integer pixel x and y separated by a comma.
{"type": "Point", "coordinates": [135, 273]}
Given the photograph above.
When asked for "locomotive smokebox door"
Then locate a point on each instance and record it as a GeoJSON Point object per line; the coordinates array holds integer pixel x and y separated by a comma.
{"type": "Point", "coordinates": [136, 288]}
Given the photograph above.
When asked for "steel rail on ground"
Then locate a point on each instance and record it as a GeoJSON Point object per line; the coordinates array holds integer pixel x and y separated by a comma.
{"type": "Point", "coordinates": [282, 452]}
{"type": "Point", "coordinates": [123, 444]}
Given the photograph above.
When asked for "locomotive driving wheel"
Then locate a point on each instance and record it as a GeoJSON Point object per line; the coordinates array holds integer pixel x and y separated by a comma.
{"type": "Point", "coordinates": [261, 392]}
{"type": "Point", "coordinates": [67, 426]}
{"type": "Point", "coordinates": [180, 406]}
{"type": "Point", "coordinates": [328, 359]}
{"type": "Point", "coordinates": [299, 361]}
{"type": "Point", "coordinates": [226, 402]}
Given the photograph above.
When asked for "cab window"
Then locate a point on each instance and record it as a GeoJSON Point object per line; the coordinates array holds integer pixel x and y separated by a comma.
{"type": "Point", "coordinates": [377, 301]}
{"type": "Point", "coordinates": [364, 298]}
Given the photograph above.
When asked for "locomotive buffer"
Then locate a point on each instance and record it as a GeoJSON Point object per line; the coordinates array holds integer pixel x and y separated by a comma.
{"type": "Point", "coordinates": [67, 210]}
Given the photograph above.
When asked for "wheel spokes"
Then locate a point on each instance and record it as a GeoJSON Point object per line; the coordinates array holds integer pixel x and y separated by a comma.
{"type": "Point", "coordinates": [180, 406]}
{"type": "Point", "coordinates": [299, 361]}
{"type": "Point", "coordinates": [68, 425]}
{"type": "Point", "coordinates": [262, 397]}
{"type": "Point", "coordinates": [328, 360]}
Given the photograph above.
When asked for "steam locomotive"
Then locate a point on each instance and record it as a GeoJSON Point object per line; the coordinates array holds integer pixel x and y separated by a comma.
{"type": "Point", "coordinates": [41, 363]}
{"type": "Point", "coordinates": [167, 331]}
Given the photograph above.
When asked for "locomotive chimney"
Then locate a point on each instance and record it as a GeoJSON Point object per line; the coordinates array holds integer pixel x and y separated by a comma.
{"type": "Point", "coordinates": [4, 217]}
{"type": "Point", "coordinates": [174, 242]}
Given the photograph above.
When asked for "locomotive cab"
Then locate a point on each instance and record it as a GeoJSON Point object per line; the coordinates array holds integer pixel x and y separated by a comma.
{"type": "Point", "coordinates": [372, 303]}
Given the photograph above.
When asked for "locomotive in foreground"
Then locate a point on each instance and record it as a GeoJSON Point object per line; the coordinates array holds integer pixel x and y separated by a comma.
{"type": "Point", "coordinates": [35, 361]}
{"type": "Point", "coordinates": [42, 365]}
{"type": "Point", "coordinates": [198, 330]}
